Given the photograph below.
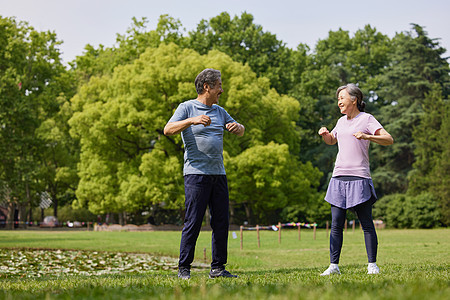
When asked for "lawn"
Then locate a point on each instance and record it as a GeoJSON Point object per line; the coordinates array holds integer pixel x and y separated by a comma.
{"type": "Point", "coordinates": [414, 264]}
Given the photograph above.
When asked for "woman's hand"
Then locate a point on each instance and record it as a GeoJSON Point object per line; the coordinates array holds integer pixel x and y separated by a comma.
{"type": "Point", "coordinates": [361, 136]}
{"type": "Point", "coordinates": [381, 137]}
{"type": "Point", "coordinates": [327, 137]}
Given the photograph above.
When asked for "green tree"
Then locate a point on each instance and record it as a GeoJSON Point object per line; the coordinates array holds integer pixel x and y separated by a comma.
{"type": "Point", "coordinates": [336, 60]}
{"type": "Point", "coordinates": [126, 162]}
{"type": "Point", "coordinates": [29, 69]}
{"type": "Point", "coordinates": [129, 46]}
{"type": "Point", "coordinates": [265, 179]}
{"type": "Point", "coordinates": [416, 65]}
{"type": "Point", "coordinates": [430, 169]}
{"type": "Point", "coordinates": [247, 43]}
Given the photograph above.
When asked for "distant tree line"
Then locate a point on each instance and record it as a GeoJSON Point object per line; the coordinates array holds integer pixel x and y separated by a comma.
{"type": "Point", "coordinates": [90, 135]}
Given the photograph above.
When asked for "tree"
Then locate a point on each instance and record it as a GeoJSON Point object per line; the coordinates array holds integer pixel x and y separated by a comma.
{"type": "Point", "coordinates": [430, 169]}
{"type": "Point", "coordinates": [265, 179]}
{"type": "Point", "coordinates": [126, 162]}
{"type": "Point", "coordinates": [337, 60]}
{"type": "Point", "coordinates": [129, 46]}
{"type": "Point", "coordinates": [247, 43]}
{"type": "Point", "coordinates": [29, 67]}
{"type": "Point", "coordinates": [416, 65]}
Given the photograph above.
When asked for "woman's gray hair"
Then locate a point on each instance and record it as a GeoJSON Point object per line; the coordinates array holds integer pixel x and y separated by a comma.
{"type": "Point", "coordinates": [355, 94]}
{"type": "Point", "coordinates": [209, 76]}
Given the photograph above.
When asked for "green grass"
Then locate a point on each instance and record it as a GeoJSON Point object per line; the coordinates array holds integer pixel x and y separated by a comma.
{"type": "Point", "coordinates": [414, 264]}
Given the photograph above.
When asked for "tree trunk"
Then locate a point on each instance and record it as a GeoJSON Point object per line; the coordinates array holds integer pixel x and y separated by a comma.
{"type": "Point", "coordinates": [55, 205]}
{"type": "Point", "coordinates": [11, 213]}
{"type": "Point", "coordinates": [22, 216]}
{"type": "Point", "coordinates": [248, 213]}
{"type": "Point", "coordinates": [231, 213]}
{"type": "Point", "coordinates": [121, 218]}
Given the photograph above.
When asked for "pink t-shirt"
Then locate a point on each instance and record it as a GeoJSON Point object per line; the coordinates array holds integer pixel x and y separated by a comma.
{"type": "Point", "coordinates": [353, 156]}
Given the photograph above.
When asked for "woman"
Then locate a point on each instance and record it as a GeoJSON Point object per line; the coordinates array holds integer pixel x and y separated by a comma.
{"type": "Point", "coordinates": [351, 186]}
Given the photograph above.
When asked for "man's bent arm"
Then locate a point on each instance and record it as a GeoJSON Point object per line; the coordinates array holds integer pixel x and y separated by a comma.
{"type": "Point", "coordinates": [172, 128]}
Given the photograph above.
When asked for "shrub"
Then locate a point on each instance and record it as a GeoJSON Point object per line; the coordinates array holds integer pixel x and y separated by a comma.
{"type": "Point", "coordinates": [406, 211]}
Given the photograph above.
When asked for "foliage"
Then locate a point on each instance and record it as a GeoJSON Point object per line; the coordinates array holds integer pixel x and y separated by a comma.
{"type": "Point", "coordinates": [247, 43]}
{"type": "Point", "coordinates": [405, 211]}
{"type": "Point", "coordinates": [67, 213]}
{"type": "Point", "coordinates": [431, 169]}
{"type": "Point", "coordinates": [33, 84]}
{"type": "Point", "coordinates": [126, 162]}
{"type": "Point", "coordinates": [43, 263]}
{"type": "Point", "coordinates": [102, 60]}
{"type": "Point", "coordinates": [116, 158]}
{"type": "Point", "coordinates": [416, 65]}
{"type": "Point", "coordinates": [267, 179]}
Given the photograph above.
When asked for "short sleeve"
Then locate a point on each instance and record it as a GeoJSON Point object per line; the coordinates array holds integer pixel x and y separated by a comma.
{"type": "Point", "coordinates": [227, 117]}
{"type": "Point", "coordinates": [180, 114]}
{"type": "Point", "coordinates": [373, 125]}
{"type": "Point", "coordinates": [335, 129]}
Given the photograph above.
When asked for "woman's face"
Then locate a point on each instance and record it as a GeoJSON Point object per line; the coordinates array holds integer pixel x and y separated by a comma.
{"type": "Point", "coordinates": [345, 103]}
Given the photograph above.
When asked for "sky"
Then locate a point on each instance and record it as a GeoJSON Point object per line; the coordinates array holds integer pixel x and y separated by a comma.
{"type": "Point", "coordinates": [81, 22]}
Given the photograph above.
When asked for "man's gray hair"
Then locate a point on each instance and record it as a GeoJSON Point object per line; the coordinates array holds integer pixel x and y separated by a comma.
{"type": "Point", "coordinates": [209, 76]}
{"type": "Point", "coordinates": [355, 94]}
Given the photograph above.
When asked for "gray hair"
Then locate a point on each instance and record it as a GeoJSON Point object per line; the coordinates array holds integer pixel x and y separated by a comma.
{"type": "Point", "coordinates": [355, 94]}
{"type": "Point", "coordinates": [209, 76]}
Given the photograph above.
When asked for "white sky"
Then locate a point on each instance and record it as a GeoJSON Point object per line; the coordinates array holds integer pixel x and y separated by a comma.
{"type": "Point", "coordinates": [81, 22]}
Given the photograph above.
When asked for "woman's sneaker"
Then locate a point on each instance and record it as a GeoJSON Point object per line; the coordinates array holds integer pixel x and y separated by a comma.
{"type": "Point", "coordinates": [332, 269]}
{"type": "Point", "coordinates": [220, 272]}
{"type": "Point", "coordinates": [372, 268]}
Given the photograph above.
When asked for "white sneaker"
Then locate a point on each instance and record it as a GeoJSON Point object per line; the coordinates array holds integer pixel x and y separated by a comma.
{"type": "Point", "coordinates": [372, 268]}
{"type": "Point", "coordinates": [332, 269]}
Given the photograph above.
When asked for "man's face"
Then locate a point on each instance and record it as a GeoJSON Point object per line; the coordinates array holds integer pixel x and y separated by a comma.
{"type": "Point", "coordinates": [214, 93]}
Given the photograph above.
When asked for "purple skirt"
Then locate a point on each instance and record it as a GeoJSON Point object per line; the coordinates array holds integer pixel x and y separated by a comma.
{"type": "Point", "coordinates": [347, 194]}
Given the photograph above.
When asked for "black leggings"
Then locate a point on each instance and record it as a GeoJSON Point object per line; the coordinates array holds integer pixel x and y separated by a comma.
{"type": "Point", "coordinates": [364, 213]}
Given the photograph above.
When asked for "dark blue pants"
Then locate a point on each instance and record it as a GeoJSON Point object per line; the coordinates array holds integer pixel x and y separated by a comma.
{"type": "Point", "coordinates": [364, 213]}
{"type": "Point", "coordinates": [202, 191]}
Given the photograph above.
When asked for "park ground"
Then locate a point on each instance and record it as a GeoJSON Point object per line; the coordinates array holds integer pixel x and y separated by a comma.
{"type": "Point", "coordinates": [414, 264]}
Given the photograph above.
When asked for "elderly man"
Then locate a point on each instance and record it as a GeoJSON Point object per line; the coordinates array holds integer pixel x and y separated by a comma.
{"type": "Point", "coordinates": [201, 123]}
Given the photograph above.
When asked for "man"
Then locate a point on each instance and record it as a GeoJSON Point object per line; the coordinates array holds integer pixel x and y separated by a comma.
{"type": "Point", "coordinates": [201, 123]}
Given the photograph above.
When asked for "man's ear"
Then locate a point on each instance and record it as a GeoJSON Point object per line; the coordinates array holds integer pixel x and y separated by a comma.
{"type": "Point", "coordinates": [205, 87]}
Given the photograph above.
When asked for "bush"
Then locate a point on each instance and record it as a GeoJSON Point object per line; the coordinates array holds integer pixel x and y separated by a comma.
{"type": "Point", "coordinates": [67, 213]}
{"type": "Point", "coordinates": [405, 211]}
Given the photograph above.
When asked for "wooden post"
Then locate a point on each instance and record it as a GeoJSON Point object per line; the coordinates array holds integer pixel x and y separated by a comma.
{"type": "Point", "coordinates": [353, 226]}
{"type": "Point", "coordinates": [257, 235]}
{"type": "Point", "coordinates": [345, 226]}
{"type": "Point", "coordinates": [242, 238]}
{"type": "Point", "coordinates": [327, 229]}
{"type": "Point", "coordinates": [314, 231]}
{"type": "Point", "coordinates": [299, 233]}
{"type": "Point", "coordinates": [89, 226]}
{"type": "Point", "coordinates": [279, 232]}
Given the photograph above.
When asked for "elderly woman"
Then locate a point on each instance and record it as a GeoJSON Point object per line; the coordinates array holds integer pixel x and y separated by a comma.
{"type": "Point", "coordinates": [351, 186]}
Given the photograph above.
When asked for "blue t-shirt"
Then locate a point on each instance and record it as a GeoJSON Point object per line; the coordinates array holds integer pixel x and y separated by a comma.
{"type": "Point", "coordinates": [203, 146]}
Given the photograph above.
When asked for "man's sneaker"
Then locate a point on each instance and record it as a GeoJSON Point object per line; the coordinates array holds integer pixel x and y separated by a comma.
{"type": "Point", "coordinates": [221, 272]}
{"type": "Point", "coordinates": [332, 269]}
{"type": "Point", "coordinates": [372, 268]}
{"type": "Point", "coordinates": [184, 273]}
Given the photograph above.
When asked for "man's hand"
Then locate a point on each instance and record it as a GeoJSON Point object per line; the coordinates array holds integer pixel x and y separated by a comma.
{"type": "Point", "coordinates": [201, 120]}
{"type": "Point", "coordinates": [235, 128]}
